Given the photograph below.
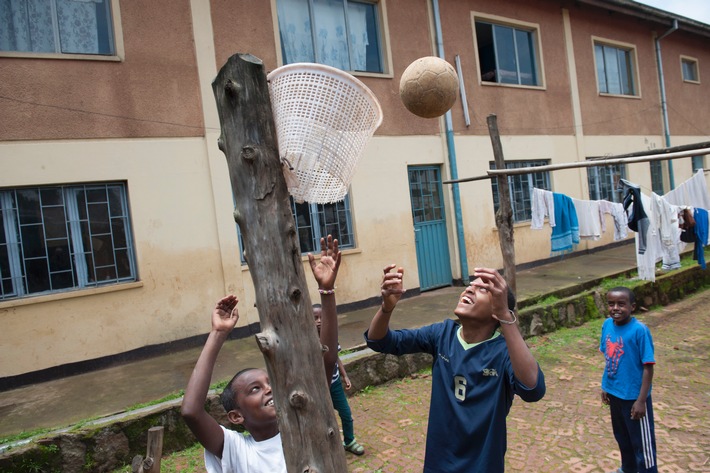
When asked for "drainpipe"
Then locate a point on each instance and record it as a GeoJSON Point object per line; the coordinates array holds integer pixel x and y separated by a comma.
{"type": "Point", "coordinates": [664, 106]}
{"type": "Point", "coordinates": [453, 170]}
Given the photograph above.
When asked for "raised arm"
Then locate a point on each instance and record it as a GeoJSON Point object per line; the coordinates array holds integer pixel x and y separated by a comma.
{"type": "Point", "coordinates": [391, 289]}
{"type": "Point", "coordinates": [525, 367]}
{"type": "Point", "coordinates": [206, 429]}
{"type": "Point", "coordinates": [325, 271]}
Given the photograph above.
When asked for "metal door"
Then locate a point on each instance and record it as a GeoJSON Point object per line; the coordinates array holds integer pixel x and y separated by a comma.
{"type": "Point", "coordinates": [430, 235]}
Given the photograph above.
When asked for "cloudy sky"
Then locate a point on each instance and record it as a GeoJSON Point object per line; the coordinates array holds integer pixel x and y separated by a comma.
{"type": "Point", "coordinates": [696, 9]}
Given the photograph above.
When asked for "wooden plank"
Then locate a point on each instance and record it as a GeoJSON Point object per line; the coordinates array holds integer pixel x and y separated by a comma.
{"type": "Point", "coordinates": [288, 340]}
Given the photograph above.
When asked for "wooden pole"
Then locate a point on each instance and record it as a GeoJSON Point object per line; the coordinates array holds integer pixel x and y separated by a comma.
{"type": "Point", "coordinates": [288, 340]}
{"type": "Point", "coordinates": [504, 214]}
{"type": "Point", "coordinates": [153, 455]}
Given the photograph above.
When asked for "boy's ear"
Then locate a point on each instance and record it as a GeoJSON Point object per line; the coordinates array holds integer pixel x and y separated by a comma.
{"type": "Point", "coordinates": [235, 417]}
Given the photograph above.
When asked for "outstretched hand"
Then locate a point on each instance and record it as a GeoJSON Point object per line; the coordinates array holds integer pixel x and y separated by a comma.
{"type": "Point", "coordinates": [392, 287]}
{"type": "Point", "coordinates": [325, 270]}
{"type": "Point", "coordinates": [491, 280]}
{"type": "Point", "coordinates": [225, 314]}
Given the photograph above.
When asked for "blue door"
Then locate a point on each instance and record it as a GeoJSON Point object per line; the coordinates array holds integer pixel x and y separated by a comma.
{"type": "Point", "coordinates": [430, 236]}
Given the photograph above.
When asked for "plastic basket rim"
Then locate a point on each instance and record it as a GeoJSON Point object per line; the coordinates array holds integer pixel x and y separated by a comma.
{"type": "Point", "coordinates": [345, 76]}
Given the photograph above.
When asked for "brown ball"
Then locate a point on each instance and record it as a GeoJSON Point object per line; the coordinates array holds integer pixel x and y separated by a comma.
{"type": "Point", "coordinates": [428, 87]}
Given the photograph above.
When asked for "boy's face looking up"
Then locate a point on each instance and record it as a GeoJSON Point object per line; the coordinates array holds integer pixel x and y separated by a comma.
{"type": "Point", "coordinates": [474, 303]}
{"type": "Point", "coordinates": [620, 307]}
{"type": "Point", "coordinates": [255, 402]}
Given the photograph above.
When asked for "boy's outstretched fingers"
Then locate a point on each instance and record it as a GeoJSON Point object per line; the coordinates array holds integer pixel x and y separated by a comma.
{"type": "Point", "coordinates": [225, 314]}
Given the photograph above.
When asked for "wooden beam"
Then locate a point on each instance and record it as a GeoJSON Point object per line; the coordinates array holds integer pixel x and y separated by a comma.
{"type": "Point", "coordinates": [292, 351]}
{"type": "Point", "coordinates": [504, 214]}
{"type": "Point", "coordinates": [586, 164]}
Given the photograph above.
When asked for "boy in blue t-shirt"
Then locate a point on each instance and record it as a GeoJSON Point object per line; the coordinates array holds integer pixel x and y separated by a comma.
{"type": "Point", "coordinates": [476, 371]}
{"type": "Point", "coordinates": [627, 346]}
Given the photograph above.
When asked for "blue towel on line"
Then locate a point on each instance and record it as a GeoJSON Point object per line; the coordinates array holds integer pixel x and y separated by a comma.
{"type": "Point", "coordinates": [565, 233]}
{"type": "Point", "coordinates": [701, 235]}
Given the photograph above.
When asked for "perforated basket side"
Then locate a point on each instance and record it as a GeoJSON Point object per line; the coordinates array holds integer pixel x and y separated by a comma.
{"type": "Point", "coordinates": [324, 118]}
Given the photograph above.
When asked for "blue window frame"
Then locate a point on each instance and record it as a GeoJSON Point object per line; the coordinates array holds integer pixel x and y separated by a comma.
{"type": "Point", "coordinates": [58, 238]}
{"type": "Point", "coordinates": [338, 33]}
{"type": "Point", "coordinates": [698, 163]}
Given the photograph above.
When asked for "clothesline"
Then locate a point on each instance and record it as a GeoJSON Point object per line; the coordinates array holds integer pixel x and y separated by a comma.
{"type": "Point", "coordinates": [586, 164]}
{"type": "Point", "coordinates": [654, 219]}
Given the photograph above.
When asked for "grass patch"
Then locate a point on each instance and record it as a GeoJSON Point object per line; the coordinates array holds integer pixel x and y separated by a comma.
{"type": "Point", "coordinates": [550, 347]}
{"type": "Point", "coordinates": [549, 300]}
{"type": "Point", "coordinates": [169, 397]}
{"type": "Point", "coordinates": [189, 460]}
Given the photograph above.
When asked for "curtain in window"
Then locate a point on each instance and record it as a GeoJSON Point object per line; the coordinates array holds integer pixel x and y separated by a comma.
{"type": "Point", "coordinates": [295, 28]}
{"type": "Point", "coordinates": [357, 22]}
{"type": "Point", "coordinates": [331, 34]}
{"type": "Point", "coordinates": [29, 25]}
{"type": "Point", "coordinates": [78, 26]}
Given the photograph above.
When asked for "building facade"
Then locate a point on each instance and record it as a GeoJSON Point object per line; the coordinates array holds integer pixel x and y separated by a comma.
{"type": "Point", "coordinates": [116, 207]}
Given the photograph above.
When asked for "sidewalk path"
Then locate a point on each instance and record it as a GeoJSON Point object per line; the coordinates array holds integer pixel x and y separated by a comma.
{"type": "Point", "coordinates": [569, 430]}
{"type": "Point", "coordinates": [112, 390]}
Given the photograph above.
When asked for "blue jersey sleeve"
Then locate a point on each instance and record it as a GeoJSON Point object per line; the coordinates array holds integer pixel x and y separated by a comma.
{"type": "Point", "coordinates": [526, 393]}
{"type": "Point", "coordinates": [401, 342]}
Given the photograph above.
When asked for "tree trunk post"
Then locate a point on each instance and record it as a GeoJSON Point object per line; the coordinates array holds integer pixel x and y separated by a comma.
{"type": "Point", "coordinates": [288, 340]}
{"type": "Point", "coordinates": [504, 215]}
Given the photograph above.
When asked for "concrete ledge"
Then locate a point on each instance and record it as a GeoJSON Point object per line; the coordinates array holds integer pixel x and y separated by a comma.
{"type": "Point", "coordinates": [106, 444]}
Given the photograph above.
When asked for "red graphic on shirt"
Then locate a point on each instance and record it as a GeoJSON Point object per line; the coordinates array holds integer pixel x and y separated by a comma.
{"type": "Point", "coordinates": [613, 353]}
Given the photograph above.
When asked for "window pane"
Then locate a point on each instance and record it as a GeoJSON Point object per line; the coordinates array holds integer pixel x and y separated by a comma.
{"type": "Point", "coordinates": [302, 215]}
{"type": "Point", "coordinates": [601, 70]}
{"type": "Point", "coordinates": [26, 26]}
{"type": "Point", "coordinates": [83, 27]}
{"type": "Point", "coordinates": [604, 182]}
{"type": "Point", "coordinates": [486, 51]}
{"type": "Point", "coordinates": [98, 218]}
{"type": "Point", "coordinates": [526, 57]}
{"type": "Point", "coordinates": [614, 70]}
{"type": "Point", "coordinates": [657, 177]}
{"type": "Point", "coordinates": [295, 30]}
{"type": "Point", "coordinates": [345, 38]}
{"type": "Point", "coordinates": [330, 33]}
{"type": "Point", "coordinates": [505, 54]}
{"type": "Point", "coordinates": [364, 37]}
{"type": "Point", "coordinates": [611, 63]}
{"type": "Point", "coordinates": [56, 250]}
{"type": "Point", "coordinates": [624, 72]}
{"type": "Point", "coordinates": [28, 206]}
{"type": "Point", "coordinates": [55, 225]}
{"type": "Point", "coordinates": [520, 187]}
{"type": "Point", "coordinates": [689, 70]}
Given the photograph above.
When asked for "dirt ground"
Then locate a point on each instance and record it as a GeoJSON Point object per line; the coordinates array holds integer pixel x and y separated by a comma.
{"type": "Point", "coordinates": [569, 430]}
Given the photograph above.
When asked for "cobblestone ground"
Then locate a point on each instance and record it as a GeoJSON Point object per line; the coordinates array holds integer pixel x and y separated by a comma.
{"type": "Point", "coordinates": [569, 430]}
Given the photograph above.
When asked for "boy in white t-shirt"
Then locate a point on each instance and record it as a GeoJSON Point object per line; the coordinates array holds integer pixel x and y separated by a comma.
{"type": "Point", "coordinates": [247, 398]}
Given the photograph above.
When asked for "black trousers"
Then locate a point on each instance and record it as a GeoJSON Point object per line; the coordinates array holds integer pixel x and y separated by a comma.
{"type": "Point", "coordinates": [636, 438]}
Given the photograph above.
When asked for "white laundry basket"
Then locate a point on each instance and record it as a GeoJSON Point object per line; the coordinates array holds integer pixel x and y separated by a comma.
{"type": "Point", "coordinates": [324, 118]}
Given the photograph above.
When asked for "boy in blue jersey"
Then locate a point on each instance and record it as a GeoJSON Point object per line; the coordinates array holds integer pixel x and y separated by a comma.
{"type": "Point", "coordinates": [627, 346]}
{"type": "Point", "coordinates": [475, 373]}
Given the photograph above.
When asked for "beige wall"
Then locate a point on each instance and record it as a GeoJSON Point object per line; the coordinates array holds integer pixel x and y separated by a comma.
{"type": "Point", "coordinates": [180, 197]}
{"type": "Point", "coordinates": [175, 240]}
